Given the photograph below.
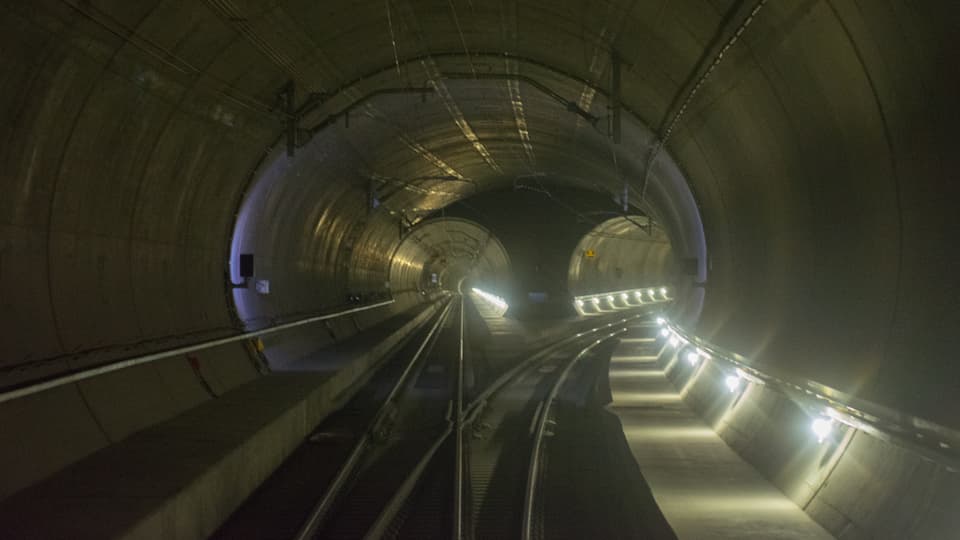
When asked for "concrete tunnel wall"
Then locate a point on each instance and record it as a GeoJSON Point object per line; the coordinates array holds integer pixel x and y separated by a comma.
{"type": "Point", "coordinates": [317, 242]}
{"type": "Point", "coordinates": [171, 212]}
{"type": "Point", "coordinates": [624, 257]}
{"type": "Point", "coordinates": [822, 165]}
{"type": "Point", "coordinates": [852, 483]}
{"type": "Point", "coordinates": [819, 154]}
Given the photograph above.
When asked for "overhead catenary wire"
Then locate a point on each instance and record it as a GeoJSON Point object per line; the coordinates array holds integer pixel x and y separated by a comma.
{"type": "Point", "coordinates": [671, 125]}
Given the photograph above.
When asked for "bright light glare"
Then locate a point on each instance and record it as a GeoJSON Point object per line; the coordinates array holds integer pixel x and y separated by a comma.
{"type": "Point", "coordinates": [663, 291]}
{"type": "Point", "coordinates": [651, 292]}
{"type": "Point", "coordinates": [674, 341]}
{"type": "Point", "coordinates": [661, 321]}
{"type": "Point", "coordinates": [822, 427]}
{"type": "Point", "coordinates": [664, 332]}
{"type": "Point", "coordinates": [638, 294]}
{"type": "Point", "coordinates": [595, 300]}
{"type": "Point", "coordinates": [579, 303]}
{"type": "Point", "coordinates": [733, 382]}
{"type": "Point", "coordinates": [693, 358]}
{"type": "Point", "coordinates": [493, 299]}
{"type": "Point", "coordinates": [623, 297]}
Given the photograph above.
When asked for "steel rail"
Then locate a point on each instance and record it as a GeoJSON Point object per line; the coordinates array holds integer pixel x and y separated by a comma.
{"type": "Point", "coordinates": [37, 387]}
{"type": "Point", "coordinates": [454, 426]}
{"type": "Point", "coordinates": [458, 429]}
{"type": "Point", "coordinates": [533, 471]}
{"type": "Point", "coordinates": [478, 402]}
{"type": "Point", "coordinates": [385, 519]}
{"type": "Point", "coordinates": [319, 511]}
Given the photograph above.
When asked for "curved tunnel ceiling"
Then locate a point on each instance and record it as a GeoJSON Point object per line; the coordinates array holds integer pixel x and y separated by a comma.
{"type": "Point", "coordinates": [816, 155]}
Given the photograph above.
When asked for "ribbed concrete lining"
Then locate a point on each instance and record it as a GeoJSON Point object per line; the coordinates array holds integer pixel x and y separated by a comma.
{"type": "Point", "coordinates": [818, 155]}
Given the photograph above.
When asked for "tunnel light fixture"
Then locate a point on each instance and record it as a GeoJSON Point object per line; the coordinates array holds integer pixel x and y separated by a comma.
{"type": "Point", "coordinates": [663, 291]}
{"type": "Point", "coordinates": [826, 423]}
{"type": "Point", "coordinates": [492, 298]}
{"type": "Point", "coordinates": [623, 297]}
{"type": "Point", "coordinates": [733, 382]}
{"type": "Point", "coordinates": [822, 426]}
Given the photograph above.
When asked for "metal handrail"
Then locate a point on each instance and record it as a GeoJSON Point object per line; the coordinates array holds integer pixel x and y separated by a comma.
{"type": "Point", "coordinates": [42, 386]}
{"type": "Point", "coordinates": [932, 441]}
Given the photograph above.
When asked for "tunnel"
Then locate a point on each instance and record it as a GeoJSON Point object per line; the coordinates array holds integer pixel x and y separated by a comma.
{"type": "Point", "coordinates": [222, 219]}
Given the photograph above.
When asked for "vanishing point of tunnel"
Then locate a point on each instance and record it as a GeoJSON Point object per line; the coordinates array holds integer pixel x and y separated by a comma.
{"type": "Point", "coordinates": [479, 269]}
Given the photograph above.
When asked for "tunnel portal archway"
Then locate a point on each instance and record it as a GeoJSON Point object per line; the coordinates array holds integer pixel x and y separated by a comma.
{"type": "Point", "coordinates": [456, 251]}
{"type": "Point", "coordinates": [622, 253]}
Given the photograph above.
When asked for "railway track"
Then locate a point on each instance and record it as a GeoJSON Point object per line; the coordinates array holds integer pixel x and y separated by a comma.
{"type": "Point", "coordinates": [402, 431]}
{"type": "Point", "coordinates": [418, 470]}
{"type": "Point", "coordinates": [430, 447]}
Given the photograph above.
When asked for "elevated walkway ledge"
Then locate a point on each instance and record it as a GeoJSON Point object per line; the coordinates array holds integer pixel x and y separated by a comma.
{"type": "Point", "coordinates": [704, 489]}
{"type": "Point", "coordinates": [183, 477]}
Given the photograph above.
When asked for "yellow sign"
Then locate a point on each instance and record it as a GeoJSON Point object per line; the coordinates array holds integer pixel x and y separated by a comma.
{"type": "Point", "coordinates": [589, 253]}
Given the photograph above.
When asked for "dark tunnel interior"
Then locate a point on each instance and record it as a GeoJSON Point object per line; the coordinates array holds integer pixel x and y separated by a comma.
{"type": "Point", "coordinates": [788, 168]}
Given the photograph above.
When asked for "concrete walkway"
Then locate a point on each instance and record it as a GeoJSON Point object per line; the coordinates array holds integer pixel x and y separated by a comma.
{"type": "Point", "coordinates": [702, 487]}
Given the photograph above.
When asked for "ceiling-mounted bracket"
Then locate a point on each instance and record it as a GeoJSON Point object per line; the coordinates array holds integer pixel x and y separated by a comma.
{"type": "Point", "coordinates": [615, 96]}
{"type": "Point", "coordinates": [291, 117]}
